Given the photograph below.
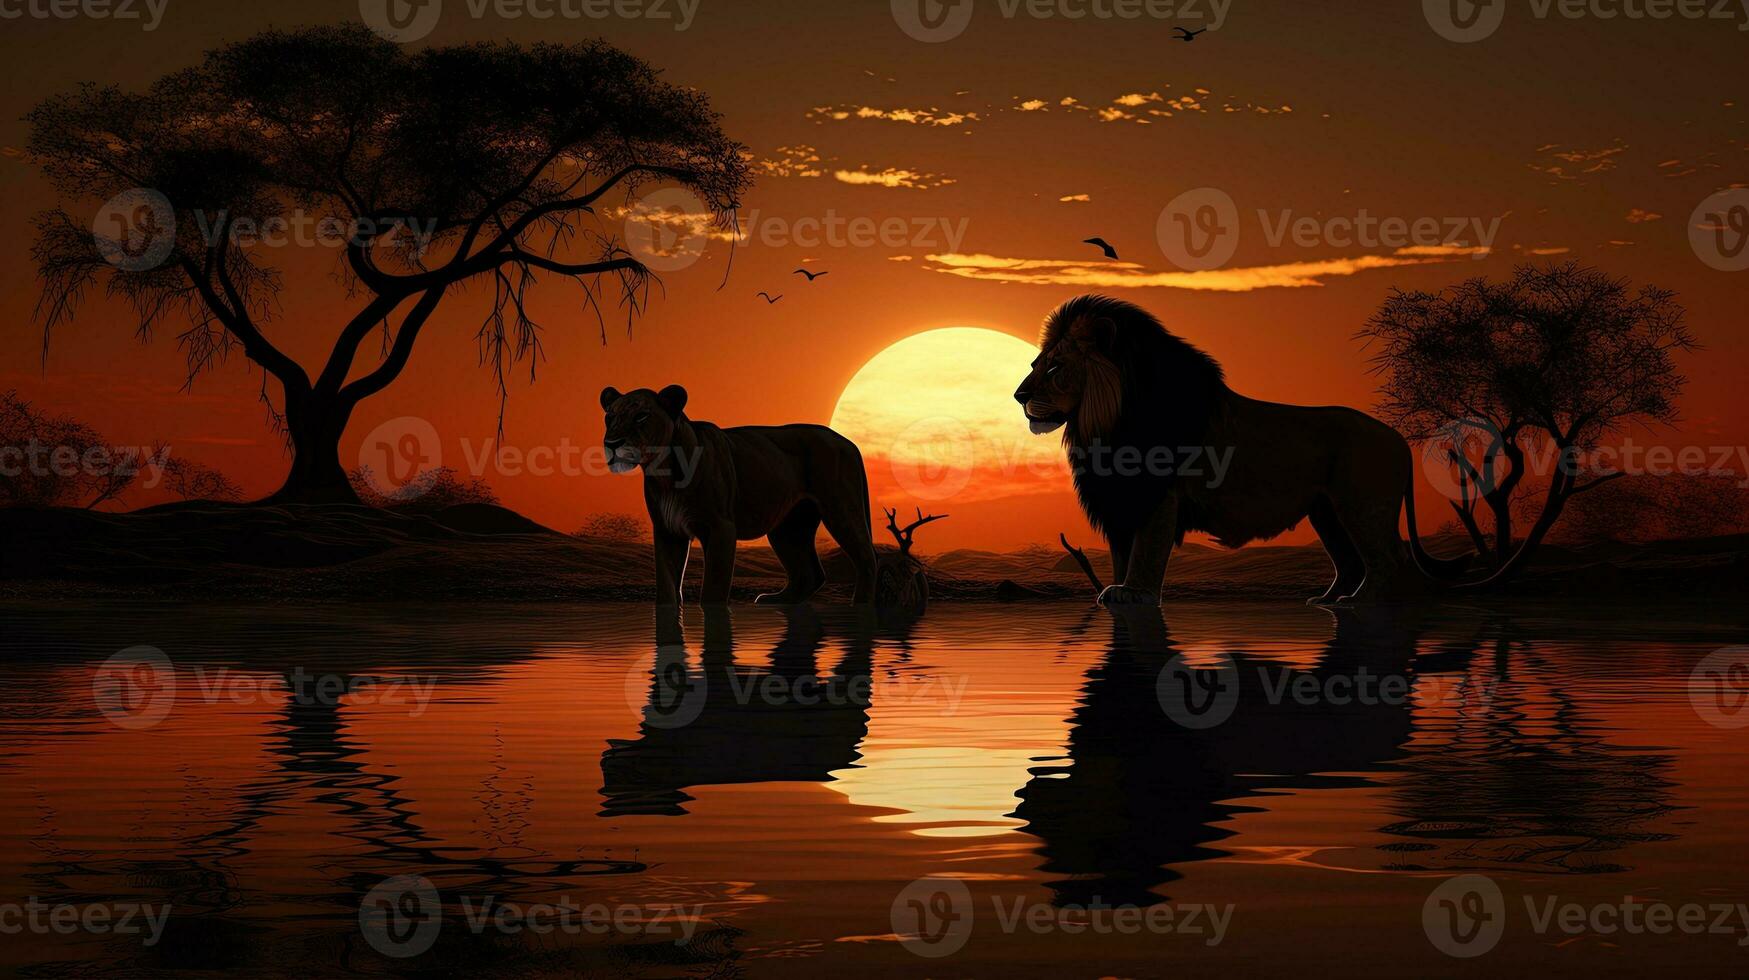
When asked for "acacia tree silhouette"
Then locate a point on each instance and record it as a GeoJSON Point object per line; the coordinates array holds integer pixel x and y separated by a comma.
{"type": "Point", "coordinates": [437, 167]}
{"type": "Point", "coordinates": [1555, 357]}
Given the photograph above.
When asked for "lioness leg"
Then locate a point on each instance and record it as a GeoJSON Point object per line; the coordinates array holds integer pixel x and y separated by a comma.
{"type": "Point", "coordinates": [793, 541]}
{"type": "Point", "coordinates": [671, 552]}
{"type": "Point", "coordinates": [719, 562]}
{"type": "Point", "coordinates": [1350, 569]}
{"type": "Point", "coordinates": [847, 521]}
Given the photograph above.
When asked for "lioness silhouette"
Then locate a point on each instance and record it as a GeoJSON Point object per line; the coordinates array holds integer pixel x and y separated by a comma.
{"type": "Point", "coordinates": [723, 486]}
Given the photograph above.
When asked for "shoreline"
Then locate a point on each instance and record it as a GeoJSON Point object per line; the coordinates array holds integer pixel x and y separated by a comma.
{"type": "Point", "coordinates": [481, 553]}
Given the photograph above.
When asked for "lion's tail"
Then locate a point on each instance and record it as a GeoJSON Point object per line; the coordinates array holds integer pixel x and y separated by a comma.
{"type": "Point", "coordinates": [1441, 569]}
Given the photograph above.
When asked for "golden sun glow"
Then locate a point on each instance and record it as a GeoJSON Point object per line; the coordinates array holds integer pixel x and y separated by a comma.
{"type": "Point", "coordinates": [936, 418]}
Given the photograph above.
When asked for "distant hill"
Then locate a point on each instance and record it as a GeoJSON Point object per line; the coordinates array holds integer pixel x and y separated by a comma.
{"type": "Point", "coordinates": [485, 552]}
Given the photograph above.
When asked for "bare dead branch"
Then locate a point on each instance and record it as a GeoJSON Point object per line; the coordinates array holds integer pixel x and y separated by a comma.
{"type": "Point", "coordinates": [1081, 559]}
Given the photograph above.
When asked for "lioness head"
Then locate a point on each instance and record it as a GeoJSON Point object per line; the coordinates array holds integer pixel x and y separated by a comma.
{"type": "Point", "coordinates": [638, 423]}
{"type": "Point", "coordinates": [1073, 377]}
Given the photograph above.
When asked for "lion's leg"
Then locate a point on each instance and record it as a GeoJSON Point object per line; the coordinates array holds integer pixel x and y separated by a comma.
{"type": "Point", "coordinates": [793, 541]}
{"type": "Point", "coordinates": [671, 552]}
{"type": "Point", "coordinates": [1146, 569]}
{"type": "Point", "coordinates": [719, 562]}
{"type": "Point", "coordinates": [1120, 556]}
{"type": "Point", "coordinates": [1372, 525]}
{"type": "Point", "coordinates": [847, 521]}
{"type": "Point", "coordinates": [1339, 545]}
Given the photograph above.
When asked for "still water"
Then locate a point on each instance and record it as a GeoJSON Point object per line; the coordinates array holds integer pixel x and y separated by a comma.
{"type": "Point", "coordinates": [1001, 790]}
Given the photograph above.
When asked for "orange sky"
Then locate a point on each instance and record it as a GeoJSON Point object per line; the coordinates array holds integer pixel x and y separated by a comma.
{"type": "Point", "coordinates": [1597, 137]}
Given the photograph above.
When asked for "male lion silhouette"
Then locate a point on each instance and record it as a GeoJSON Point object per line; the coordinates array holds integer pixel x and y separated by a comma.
{"type": "Point", "coordinates": [722, 486]}
{"type": "Point", "coordinates": [1146, 412]}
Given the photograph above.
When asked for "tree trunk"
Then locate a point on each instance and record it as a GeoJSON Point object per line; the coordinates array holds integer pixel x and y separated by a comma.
{"type": "Point", "coordinates": [1499, 498]}
{"type": "Point", "coordinates": [1466, 513]}
{"type": "Point", "coordinates": [314, 423]}
{"type": "Point", "coordinates": [1502, 509]}
{"type": "Point", "coordinates": [1560, 490]}
{"type": "Point", "coordinates": [1545, 522]}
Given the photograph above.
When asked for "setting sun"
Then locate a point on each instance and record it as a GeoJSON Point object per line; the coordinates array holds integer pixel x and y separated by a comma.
{"type": "Point", "coordinates": [957, 417]}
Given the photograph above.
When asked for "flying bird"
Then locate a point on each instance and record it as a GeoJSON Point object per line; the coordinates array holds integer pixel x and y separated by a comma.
{"type": "Point", "coordinates": [770, 299]}
{"type": "Point", "coordinates": [811, 275]}
{"type": "Point", "coordinates": [1104, 246]}
{"type": "Point", "coordinates": [1187, 35]}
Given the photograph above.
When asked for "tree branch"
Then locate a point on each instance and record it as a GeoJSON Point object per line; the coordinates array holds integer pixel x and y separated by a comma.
{"type": "Point", "coordinates": [255, 345]}
{"type": "Point", "coordinates": [1081, 559]}
{"type": "Point", "coordinates": [399, 354]}
{"type": "Point", "coordinates": [1574, 491]}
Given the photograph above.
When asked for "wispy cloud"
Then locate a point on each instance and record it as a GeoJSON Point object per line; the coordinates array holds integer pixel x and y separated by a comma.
{"type": "Point", "coordinates": [1129, 275]}
{"type": "Point", "coordinates": [803, 161]}
{"type": "Point", "coordinates": [891, 177]}
{"type": "Point", "coordinates": [1144, 107]}
{"type": "Point", "coordinates": [1639, 216]}
{"type": "Point", "coordinates": [1075, 198]}
{"type": "Point", "coordinates": [791, 161]}
{"type": "Point", "coordinates": [1576, 164]}
{"type": "Point", "coordinates": [932, 116]}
